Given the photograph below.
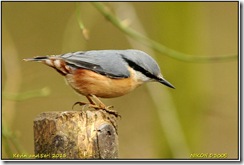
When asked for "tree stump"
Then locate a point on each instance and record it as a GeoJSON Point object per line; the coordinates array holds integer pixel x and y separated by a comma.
{"type": "Point", "coordinates": [90, 134]}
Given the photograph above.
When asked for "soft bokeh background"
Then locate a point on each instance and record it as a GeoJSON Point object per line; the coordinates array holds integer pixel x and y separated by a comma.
{"type": "Point", "coordinates": [199, 116]}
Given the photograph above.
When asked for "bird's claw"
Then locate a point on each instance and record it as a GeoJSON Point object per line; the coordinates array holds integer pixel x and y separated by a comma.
{"type": "Point", "coordinates": [100, 106]}
{"type": "Point", "coordinates": [111, 111]}
{"type": "Point", "coordinates": [108, 109]}
{"type": "Point", "coordinates": [78, 103]}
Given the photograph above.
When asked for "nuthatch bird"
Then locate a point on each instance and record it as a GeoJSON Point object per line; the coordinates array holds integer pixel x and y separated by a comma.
{"type": "Point", "coordinates": [105, 73]}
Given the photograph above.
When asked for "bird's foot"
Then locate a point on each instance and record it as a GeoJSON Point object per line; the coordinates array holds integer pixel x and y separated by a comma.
{"type": "Point", "coordinates": [108, 109]}
{"type": "Point", "coordinates": [100, 106]}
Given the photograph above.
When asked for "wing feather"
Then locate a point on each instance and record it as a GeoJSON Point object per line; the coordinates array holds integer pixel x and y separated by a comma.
{"type": "Point", "coordinates": [105, 62]}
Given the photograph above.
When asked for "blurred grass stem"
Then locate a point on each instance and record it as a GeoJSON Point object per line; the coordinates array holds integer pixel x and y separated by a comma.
{"type": "Point", "coordinates": [104, 10]}
{"type": "Point", "coordinates": [84, 30]}
{"type": "Point", "coordinates": [26, 95]}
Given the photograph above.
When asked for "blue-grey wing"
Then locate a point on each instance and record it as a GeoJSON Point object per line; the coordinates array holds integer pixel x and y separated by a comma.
{"type": "Point", "coordinates": [105, 62]}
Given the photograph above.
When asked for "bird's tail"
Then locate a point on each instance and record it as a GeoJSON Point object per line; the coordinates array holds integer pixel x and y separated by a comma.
{"type": "Point", "coordinates": [38, 58]}
{"type": "Point", "coordinates": [54, 62]}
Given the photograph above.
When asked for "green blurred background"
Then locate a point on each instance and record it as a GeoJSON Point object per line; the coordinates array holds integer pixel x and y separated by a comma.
{"type": "Point", "coordinates": [199, 116]}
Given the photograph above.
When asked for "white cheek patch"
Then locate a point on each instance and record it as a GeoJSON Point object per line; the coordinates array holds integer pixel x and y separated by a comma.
{"type": "Point", "coordinates": [142, 77]}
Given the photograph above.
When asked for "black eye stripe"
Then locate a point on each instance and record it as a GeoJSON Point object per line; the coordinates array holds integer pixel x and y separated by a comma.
{"type": "Point", "coordinates": [140, 69]}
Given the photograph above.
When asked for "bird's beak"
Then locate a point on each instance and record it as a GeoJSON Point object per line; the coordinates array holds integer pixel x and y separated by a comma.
{"type": "Point", "coordinates": [165, 82]}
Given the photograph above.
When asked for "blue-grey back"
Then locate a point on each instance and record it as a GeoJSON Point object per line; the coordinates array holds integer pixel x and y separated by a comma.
{"type": "Point", "coordinates": [112, 63]}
